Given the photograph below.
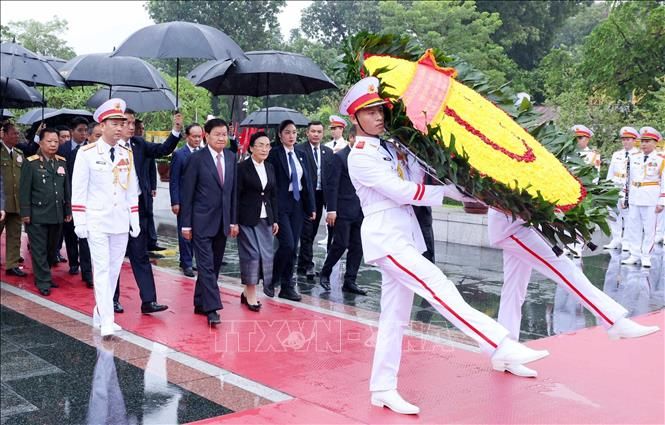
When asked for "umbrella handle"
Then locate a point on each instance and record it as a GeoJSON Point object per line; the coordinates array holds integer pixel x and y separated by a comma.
{"type": "Point", "coordinates": [177, 85]}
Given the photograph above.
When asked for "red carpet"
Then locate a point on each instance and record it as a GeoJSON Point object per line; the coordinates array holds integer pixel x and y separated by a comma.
{"type": "Point", "coordinates": [324, 363]}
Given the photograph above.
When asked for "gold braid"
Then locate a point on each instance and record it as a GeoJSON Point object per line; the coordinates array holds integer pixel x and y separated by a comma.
{"type": "Point", "coordinates": [116, 172]}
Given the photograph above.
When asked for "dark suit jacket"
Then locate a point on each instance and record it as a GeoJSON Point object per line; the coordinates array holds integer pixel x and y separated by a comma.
{"type": "Point", "coordinates": [326, 155]}
{"type": "Point", "coordinates": [205, 204]}
{"type": "Point", "coordinates": [251, 195]}
{"type": "Point", "coordinates": [143, 151]}
{"type": "Point", "coordinates": [178, 163]}
{"type": "Point", "coordinates": [277, 158]}
{"type": "Point", "coordinates": [339, 191]}
{"type": "Point", "coordinates": [152, 174]}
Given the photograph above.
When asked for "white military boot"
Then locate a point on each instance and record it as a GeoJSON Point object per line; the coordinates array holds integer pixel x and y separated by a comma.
{"type": "Point", "coordinates": [626, 328]}
{"type": "Point", "coordinates": [631, 261]}
{"type": "Point", "coordinates": [511, 354]}
{"type": "Point", "coordinates": [646, 262]}
{"type": "Point", "coordinates": [614, 244]}
{"type": "Point", "coordinates": [393, 401]}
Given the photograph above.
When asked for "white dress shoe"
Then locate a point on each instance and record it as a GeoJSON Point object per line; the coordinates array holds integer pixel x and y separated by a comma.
{"type": "Point", "coordinates": [511, 353]}
{"type": "Point", "coordinates": [630, 261]}
{"type": "Point", "coordinates": [107, 330]}
{"type": "Point", "coordinates": [517, 370]}
{"type": "Point", "coordinates": [626, 328]}
{"type": "Point", "coordinates": [613, 245]}
{"type": "Point", "coordinates": [646, 262]}
{"type": "Point", "coordinates": [393, 401]}
{"type": "Point", "coordinates": [625, 248]}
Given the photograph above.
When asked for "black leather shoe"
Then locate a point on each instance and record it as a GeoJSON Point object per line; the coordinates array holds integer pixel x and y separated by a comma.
{"type": "Point", "coordinates": [269, 290]}
{"type": "Point", "coordinates": [213, 319]}
{"type": "Point", "coordinates": [54, 285]}
{"type": "Point", "coordinates": [74, 270]}
{"type": "Point", "coordinates": [251, 307]}
{"type": "Point", "coordinates": [45, 292]}
{"type": "Point", "coordinates": [154, 255]}
{"type": "Point", "coordinates": [194, 268]}
{"type": "Point", "coordinates": [188, 272]}
{"type": "Point", "coordinates": [199, 310]}
{"type": "Point", "coordinates": [117, 307]}
{"type": "Point", "coordinates": [21, 259]}
{"type": "Point", "coordinates": [290, 294]}
{"type": "Point", "coordinates": [60, 258]}
{"type": "Point", "coordinates": [324, 281]}
{"type": "Point", "coordinates": [310, 273]}
{"type": "Point", "coordinates": [156, 248]}
{"type": "Point", "coordinates": [16, 272]}
{"type": "Point", "coordinates": [224, 263]}
{"type": "Point", "coordinates": [153, 307]}
{"type": "Point", "coordinates": [353, 289]}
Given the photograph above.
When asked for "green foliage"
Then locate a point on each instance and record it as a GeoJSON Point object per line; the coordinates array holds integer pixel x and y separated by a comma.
{"type": "Point", "coordinates": [332, 22]}
{"type": "Point", "coordinates": [625, 54]}
{"type": "Point", "coordinates": [40, 37]}
{"type": "Point", "coordinates": [576, 27]}
{"type": "Point", "coordinates": [528, 27]}
{"type": "Point", "coordinates": [450, 165]}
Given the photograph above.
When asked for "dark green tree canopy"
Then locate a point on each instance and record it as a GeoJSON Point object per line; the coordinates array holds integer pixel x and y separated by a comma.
{"type": "Point", "coordinates": [40, 37]}
{"type": "Point", "coordinates": [332, 22]}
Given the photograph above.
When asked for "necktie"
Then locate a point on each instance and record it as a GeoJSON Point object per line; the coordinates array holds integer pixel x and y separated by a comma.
{"type": "Point", "coordinates": [11, 154]}
{"type": "Point", "coordinates": [294, 177]}
{"type": "Point", "coordinates": [220, 171]}
{"type": "Point", "coordinates": [645, 158]}
{"type": "Point", "coordinates": [316, 156]}
{"type": "Point", "coordinates": [112, 152]}
{"type": "Point", "coordinates": [625, 202]}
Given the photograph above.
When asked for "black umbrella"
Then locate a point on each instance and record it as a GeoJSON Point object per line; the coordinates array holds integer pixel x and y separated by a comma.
{"type": "Point", "coordinates": [5, 114]}
{"type": "Point", "coordinates": [138, 99]}
{"type": "Point", "coordinates": [265, 73]}
{"type": "Point", "coordinates": [55, 62]}
{"type": "Point", "coordinates": [20, 63]}
{"type": "Point", "coordinates": [16, 94]}
{"type": "Point", "coordinates": [54, 116]}
{"type": "Point", "coordinates": [175, 40]}
{"type": "Point", "coordinates": [277, 115]}
{"type": "Point", "coordinates": [33, 115]}
{"type": "Point", "coordinates": [101, 68]}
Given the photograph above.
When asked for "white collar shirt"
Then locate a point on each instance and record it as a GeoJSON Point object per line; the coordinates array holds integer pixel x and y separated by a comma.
{"type": "Point", "coordinates": [263, 176]}
{"type": "Point", "coordinates": [298, 167]}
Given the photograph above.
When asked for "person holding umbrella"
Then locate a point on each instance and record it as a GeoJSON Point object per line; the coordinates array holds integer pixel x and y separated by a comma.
{"type": "Point", "coordinates": [295, 201]}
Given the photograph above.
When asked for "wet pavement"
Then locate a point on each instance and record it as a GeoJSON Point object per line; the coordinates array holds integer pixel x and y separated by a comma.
{"type": "Point", "coordinates": [477, 272]}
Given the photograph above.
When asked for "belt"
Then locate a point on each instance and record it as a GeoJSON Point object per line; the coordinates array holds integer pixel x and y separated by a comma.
{"type": "Point", "coordinates": [619, 175]}
{"type": "Point", "coordinates": [640, 184]}
{"type": "Point", "coordinates": [376, 207]}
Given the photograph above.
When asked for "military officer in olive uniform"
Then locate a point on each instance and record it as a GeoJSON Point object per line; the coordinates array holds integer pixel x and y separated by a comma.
{"type": "Point", "coordinates": [44, 199]}
{"type": "Point", "coordinates": [11, 160]}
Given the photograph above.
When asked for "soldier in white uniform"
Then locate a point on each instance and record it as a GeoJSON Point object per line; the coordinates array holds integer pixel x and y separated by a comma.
{"type": "Point", "coordinates": [337, 126]}
{"type": "Point", "coordinates": [646, 197]}
{"type": "Point", "coordinates": [616, 173]}
{"type": "Point", "coordinates": [392, 240]}
{"type": "Point", "coordinates": [105, 206]}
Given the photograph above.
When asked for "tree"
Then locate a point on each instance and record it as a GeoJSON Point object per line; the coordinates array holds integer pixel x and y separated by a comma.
{"type": "Point", "coordinates": [40, 37]}
{"type": "Point", "coordinates": [252, 24]}
{"type": "Point", "coordinates": [455, 27]}
{"type": "Point", "coordinates": [332, 22]}
{"type": "Point", "coordinates": [528, 27]}
{"type": "Point", "coordinates": [576, 27]}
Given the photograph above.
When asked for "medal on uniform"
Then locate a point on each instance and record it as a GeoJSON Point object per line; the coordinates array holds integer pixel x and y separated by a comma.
{"type": "Point", "coordinates": [19, 159]}
{"type": "Point", "coordinates": [122, 169]}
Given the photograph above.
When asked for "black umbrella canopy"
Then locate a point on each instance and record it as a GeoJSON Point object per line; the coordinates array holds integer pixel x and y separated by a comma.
{"type": "Point", "coordinates": [180, 40]}
{"type": "Point", "coordinates": [34, 115]}
{"type": "Point", "coordinates": [20, 63]}
{"type": "Point", "coordinates": [265, 73]}
{"type": "Point", "coordinates": [55, 62]}
{"type": "Point", "coordinates": [275, 115]}
{"type": "Point", "coordinates": [138, 99]}
{"type": "Point", "coordinates": [16, 94]}
{"type": "Point", "coordinates": [5, 114]}
{"type": "Point", "coordinates": [101, 68]}
{"type": "Point", "coordinates": [54, 116]}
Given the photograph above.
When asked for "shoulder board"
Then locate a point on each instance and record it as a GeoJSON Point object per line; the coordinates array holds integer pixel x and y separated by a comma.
{"type": "Point", "coordinates": [18, 151]}
{"type": "Point", "coordinates": [89, 146]}
{"type": "Point", "coordinates": [33, 157]}
{"type": "Point", "coordinates": [60, 158]}
{"type": "Point", "coordinates": [636, 153]}
{"type": "Point", "coordinates": [124, 147]}
{"type": "Point", "coordinates": [359, 145]}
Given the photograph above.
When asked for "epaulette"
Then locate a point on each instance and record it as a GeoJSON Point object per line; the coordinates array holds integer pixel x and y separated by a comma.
{"type": "Point", "coordinates": [124, 147]}
{"type": "Point", "coordinates": [359, 145]}
{"type": "Point", "coordinates": [33, 157]}
{"type": "Point", "coordinates": [60, 158]}
{"type": "Point", "coordinates": [89, 146]}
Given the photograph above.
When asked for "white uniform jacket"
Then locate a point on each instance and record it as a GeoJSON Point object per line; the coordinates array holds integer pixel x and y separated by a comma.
{"type": "Point", "coordinates": [104, 193]}
{"type": "Point", "coordinates": [647, 186]}
{"type": "Point", "coordinates": [337, 145]}
{"type": "Point", "coordinates": [386, 198]}
{"type": "Point", "coordinates": [616, 173]}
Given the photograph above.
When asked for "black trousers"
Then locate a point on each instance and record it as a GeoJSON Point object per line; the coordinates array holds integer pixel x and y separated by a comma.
{"type": "Point", "coordinates": [346, 235]}
{"type": "Point", "coordinates": [78, 252]}
{"type": "Point", "coordinates": [43, 241]}
{"type": "Point", "coordinates": [290, 227]}
{"type": "Point", "coordinates": [309, 230]}
{"type": "Point", "coordinates": [137, 249]}
{"type": "Point", "coordinates": [209, 253]}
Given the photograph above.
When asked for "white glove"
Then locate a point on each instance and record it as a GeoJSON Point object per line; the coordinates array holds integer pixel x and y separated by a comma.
{"type": "Point", "coordinates": [134, 226]}
{"type": "Point", "coordinates": [451, 191]}
{"type": "Point", "coordinates": [81, 231]}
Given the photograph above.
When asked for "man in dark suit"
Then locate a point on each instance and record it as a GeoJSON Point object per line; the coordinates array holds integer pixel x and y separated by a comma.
{"type": "Point", "coordinates": [208, 189]}
{"type": "Point", "coordinates": [318, 160]}
{"type": "Point", "coordinates": [295, 204]}
{"type": "Point", "coordinates": [78, 252]}
{"type": "Point", "coordinates": [137, 248]}
{"type": "Point", "coordinates": [193, 135]}
{"type": "Point", "coordinates": [346, 217]}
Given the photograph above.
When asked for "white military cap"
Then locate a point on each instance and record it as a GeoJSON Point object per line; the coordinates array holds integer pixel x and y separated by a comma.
{"type": "Point", "coordinates": [582, 130]}
{"type": "Point", "coordinates": [650, 133]}
{"type": "Point", "coordinates": [337, 121]}
{"type": "Point", "coordinates": [629, 132]}
{"type": "Point", "coordinates": [111, 109]}
{"type": "Point", "coordinates": [363, 94]}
